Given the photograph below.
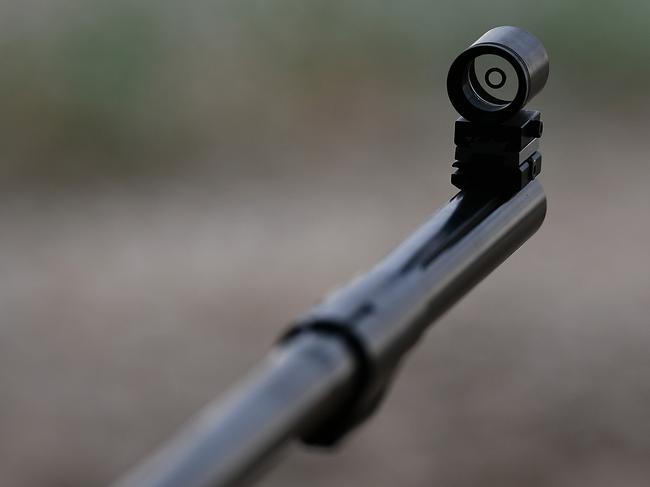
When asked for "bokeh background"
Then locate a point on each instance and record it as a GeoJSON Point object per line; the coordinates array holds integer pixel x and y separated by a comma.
{"type": "Point", "coordinates": [178, 180]}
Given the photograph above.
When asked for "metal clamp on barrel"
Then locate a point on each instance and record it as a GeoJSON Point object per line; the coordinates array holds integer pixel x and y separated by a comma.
{"type": "Point", "coordinates": [364, 395]}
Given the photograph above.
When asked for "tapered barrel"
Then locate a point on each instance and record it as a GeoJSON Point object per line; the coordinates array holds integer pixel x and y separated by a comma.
{"type": "Point", "coordinates": [293, 387]}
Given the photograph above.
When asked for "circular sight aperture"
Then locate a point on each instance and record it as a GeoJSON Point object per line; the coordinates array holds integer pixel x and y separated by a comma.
{"type": "Point", "coordinates": [497, 75]}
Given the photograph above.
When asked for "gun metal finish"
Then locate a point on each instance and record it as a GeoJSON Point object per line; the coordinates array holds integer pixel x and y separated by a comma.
{"type": "Point", "coordinates": [314, 378]}
{"type": "Point", "coordinates": [331, 370]}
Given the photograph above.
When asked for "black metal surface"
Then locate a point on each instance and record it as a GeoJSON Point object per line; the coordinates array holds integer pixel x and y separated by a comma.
{"type": "Point", "coordinates": [501, 156]}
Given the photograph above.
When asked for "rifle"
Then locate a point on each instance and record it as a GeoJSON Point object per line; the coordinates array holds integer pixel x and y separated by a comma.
{"type": "Point", "coordinates": [331, 369]}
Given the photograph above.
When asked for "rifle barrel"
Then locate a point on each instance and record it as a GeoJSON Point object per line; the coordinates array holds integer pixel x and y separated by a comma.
{"type": "Point", "coordinates": [310, 378]}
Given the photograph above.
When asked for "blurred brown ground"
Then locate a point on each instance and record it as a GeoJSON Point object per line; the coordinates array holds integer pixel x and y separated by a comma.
{"type": "Point", "coordinates": [132, 296]}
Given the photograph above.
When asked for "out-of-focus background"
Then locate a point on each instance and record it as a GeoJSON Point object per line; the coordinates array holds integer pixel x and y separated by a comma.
{"type": "Point", "coordinates": [178, 180]}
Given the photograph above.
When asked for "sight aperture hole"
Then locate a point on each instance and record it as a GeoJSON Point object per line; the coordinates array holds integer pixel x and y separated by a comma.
{"type": "Point", "coordinates": [495, 78]}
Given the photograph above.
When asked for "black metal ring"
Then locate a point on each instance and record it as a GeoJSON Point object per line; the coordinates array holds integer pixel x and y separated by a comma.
{"type": "Point", "coordinates": [523, 51]}
{"type": "Point", "coordinates": [473, 102]}
{"type": "Point", "coordinates": [502, 78]}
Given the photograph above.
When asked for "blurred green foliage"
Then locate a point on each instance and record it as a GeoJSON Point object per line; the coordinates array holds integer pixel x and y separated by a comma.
{"type": "Point", "coordinates": [125, 88]}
